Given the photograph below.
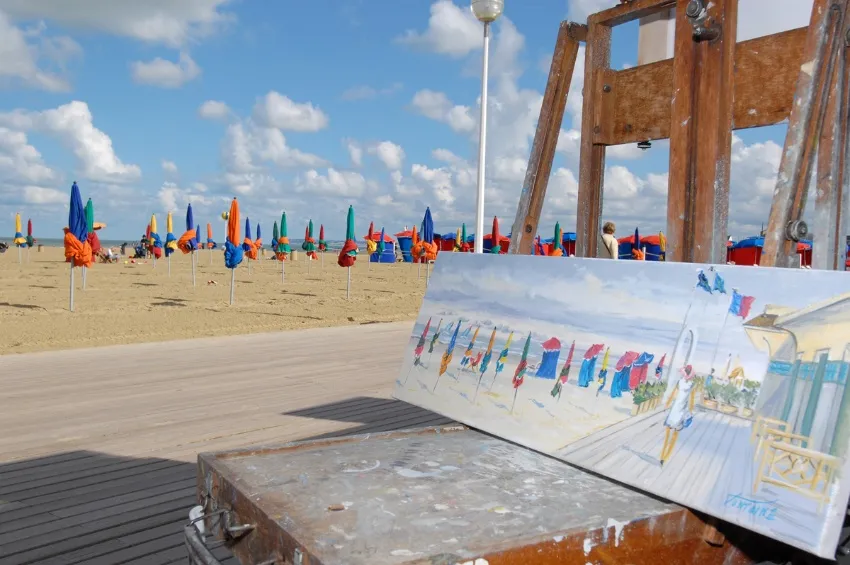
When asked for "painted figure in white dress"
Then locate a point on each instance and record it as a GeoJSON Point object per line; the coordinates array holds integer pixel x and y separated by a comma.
{"type": "Point", "coordinates": [681, 414]}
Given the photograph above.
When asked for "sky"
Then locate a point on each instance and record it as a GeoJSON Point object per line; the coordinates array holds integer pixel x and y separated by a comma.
{"type": "Point", "coordinates": [309, 107]}
{"type": "Point", "coordinates": [627, 305]}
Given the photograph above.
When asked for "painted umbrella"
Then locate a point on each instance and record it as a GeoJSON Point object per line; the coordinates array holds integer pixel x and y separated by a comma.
{"type": "Point", "coordinates": [30, 239]}
{"type": "Point", "coordinates": [435, 337]}
{"type": "Point", "coordinates": [565, 373]}
{"type": "Point", "coordinates": [485, 362]}
{"type": "Point", "coordinates": [447, 356]}
{"type": "Point", "coordinates": [519, 374]}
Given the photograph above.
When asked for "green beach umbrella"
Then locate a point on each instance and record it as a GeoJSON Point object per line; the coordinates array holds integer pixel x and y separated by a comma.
{"type": "Point", "coordinates": [275, 236]}
{"type": "Point", "coordinates": [283, 247]}
{"type": "Point", "coordinates": [89, 216]}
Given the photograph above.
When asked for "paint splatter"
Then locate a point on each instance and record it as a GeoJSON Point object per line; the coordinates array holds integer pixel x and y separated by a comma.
{"type": "Point", "coordinates": [538, 404]}
{"type": "Point", "coordinates": [405, 552]}
{"type": "Point", "coordinates": [618, 529]}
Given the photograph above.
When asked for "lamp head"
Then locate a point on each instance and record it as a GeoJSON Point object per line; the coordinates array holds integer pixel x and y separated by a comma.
{"type": "Point", "coordinates": [488, 11]}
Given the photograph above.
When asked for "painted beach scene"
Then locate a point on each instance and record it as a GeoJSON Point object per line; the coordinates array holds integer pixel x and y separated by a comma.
{"type": "Point", "coordinates": [721, 388]}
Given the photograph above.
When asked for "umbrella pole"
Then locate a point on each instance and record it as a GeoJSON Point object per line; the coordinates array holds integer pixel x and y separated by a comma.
{"type": "Point", "coordinates": [232, 284]}
{"type": "Point", "coordinates": [169, 266]}
{"type": "Point", "coordinates": [283, 271]}
{"type": "Point", "coordinates": [418, 270]}
{"type": "Point", "coordinates": [19, 256]}
{"type": "Point", "coordinates": [249, 265]}
{"type": "Point", "coordinates": [427, 273]}
{"type": "Point", "coordinates": [323, 260]}
{"type": "Point", "coordinates": [516, 390]}
{"type": "Point", "coordinates": [348, 286]}
{"type": "Point", "coordinates": [154, 259]}
{"type": "Point", "coordinates": [28, 255]}
{"type": "Point", "coordinates": [308, 263]}
{"type": "Point", "coordinates": [84, 277]}
{"type": "Point", "coordinates": [71, 306]}
{"type": "Point", "coordinates": [194, 283]}
{"type": "Point", "coordinates": [210, 255]}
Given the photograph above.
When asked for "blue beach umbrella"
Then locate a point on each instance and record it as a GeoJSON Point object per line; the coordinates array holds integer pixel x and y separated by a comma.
{"type": "Point", "coordinates": [428, 227]}
{"type": "Point", "coordinates": [190, 225]}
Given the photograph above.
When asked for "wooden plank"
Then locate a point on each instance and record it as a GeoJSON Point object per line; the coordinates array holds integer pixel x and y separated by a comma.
{"type": "Point", "coordinates": [700, 138]}
{"type": "Point", "coordinates": [597, 58]}
{"type": "Point", "coordinates": [546, 138]}
{"type": "Point", "coordinates": [630, 11]}
{"type": "Point", "coordinates": [80, 538]}
{"type": "Point", "coordinates": [765, 70]}
{"type": "Point", "coordinates": [804, 127]}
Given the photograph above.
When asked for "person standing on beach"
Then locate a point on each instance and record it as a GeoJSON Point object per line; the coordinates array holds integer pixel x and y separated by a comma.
{"type": "Point", "coordinates": [607, 247]}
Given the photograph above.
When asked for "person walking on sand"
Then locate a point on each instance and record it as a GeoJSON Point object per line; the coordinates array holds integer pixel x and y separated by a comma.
{"type": "Point", "coordinates": [680, 415]}
{"type": "Point", "coordinates": [607, 246]}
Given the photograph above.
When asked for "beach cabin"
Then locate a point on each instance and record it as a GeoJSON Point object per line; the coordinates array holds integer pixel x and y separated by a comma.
{"type": "Point", "coordinates": [405, 242]}
{"type": "Point", "coordinates": [748, 252]}
{"type": "Point", "coordinates": [388, 256]}
{"type": "Point", "coordinates": [447, 241]}
{"type": "Point", "coordinates": [805, 386]}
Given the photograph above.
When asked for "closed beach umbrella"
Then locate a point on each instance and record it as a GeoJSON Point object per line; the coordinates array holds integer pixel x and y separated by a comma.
{"type": "Point", "coordinates": [495, 238]}
{"type": "Point", "coordinates": [557, 247]}
{"type": "Point", "coordinates": [348, 253]}
{"type": "Point", "coordinates": [30, 240]}
{"type": "Point", "coordinates": [77, 248]}
{"type": "Point", "coordinates": [170, 240]}
{"type": "Point", "coordinates": [323, 245]}
{"type": "Point", "coordinates": [232, 251]}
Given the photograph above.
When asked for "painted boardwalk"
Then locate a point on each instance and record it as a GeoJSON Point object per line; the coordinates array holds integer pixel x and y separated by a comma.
{"type": "Point", "coordinates": [629, 452]}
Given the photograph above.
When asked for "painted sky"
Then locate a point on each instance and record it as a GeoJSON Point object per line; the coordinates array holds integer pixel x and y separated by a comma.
{"type": "Point", "coordinates": [312, 106]}
{"type": "Point", "coordinates": [628, 305]}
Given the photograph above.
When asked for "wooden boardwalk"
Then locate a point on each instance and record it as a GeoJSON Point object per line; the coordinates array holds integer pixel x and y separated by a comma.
{"type": "Point", "coordinates": [97, 454]}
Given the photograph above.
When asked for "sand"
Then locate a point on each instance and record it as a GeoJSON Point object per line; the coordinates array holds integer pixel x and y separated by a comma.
{"type": "Point", "coordinates": [133, 303]}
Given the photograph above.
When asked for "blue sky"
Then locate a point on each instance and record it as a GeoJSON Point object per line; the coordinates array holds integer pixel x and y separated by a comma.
{"type": "Point", "coordinates": [315, 106]}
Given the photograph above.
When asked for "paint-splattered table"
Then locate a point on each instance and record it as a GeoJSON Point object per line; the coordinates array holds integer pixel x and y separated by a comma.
{"type": "Point", "coordinates": [434, 496]}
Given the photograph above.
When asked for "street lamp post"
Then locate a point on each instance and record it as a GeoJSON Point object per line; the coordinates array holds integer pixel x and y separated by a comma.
{"type": "Point", "coordinates": [487, 11]}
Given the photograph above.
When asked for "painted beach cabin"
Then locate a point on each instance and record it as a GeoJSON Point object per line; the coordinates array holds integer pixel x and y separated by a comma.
{"type": "Point", "coordinates": [804, 391]}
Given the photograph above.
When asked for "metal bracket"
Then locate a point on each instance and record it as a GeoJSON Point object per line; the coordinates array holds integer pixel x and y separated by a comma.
{"type": "Point", "coordinates": [705, 29]}
{"type": "Point", "coordinates": [796, 230]}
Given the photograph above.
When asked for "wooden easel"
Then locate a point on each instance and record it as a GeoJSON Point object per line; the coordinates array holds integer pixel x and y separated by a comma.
{"type": "Point", "coordinates": [710, 87]}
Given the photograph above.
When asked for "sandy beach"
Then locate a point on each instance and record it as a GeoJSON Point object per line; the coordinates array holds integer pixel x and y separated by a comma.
{"type": "Point", "coordinates": [133, 303]}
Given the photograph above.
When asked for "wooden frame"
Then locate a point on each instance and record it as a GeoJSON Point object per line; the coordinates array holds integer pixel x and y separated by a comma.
{"type": "Point", "coordinates": [720, 85]}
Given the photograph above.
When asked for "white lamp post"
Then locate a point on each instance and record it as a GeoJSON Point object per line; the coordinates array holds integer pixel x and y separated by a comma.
{"type": "Point", "coordinates": [487, 11]}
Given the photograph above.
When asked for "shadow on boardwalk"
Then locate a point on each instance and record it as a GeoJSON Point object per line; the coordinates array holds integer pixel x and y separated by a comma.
{"type": "Point", "coordinates": [99, 509]}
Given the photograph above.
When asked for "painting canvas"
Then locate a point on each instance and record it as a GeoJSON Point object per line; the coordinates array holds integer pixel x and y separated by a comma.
{"type": "Point", "coordinates": [721, 388]}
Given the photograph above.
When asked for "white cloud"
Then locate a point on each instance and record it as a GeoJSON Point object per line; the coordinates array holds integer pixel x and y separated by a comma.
{"type": "Point", "coordinates": [452, 31]}
{"type": "Point", "coordinates": [43, 195]}
{"type": "Point", "coordinates": [23, 52]}
{"type": "Point", "coordinates": [437, 106]}
{"type": "Point", "coordinates": [172, 197]}
{"type": "Point", "coordinates": [214, 110]}
{"type": "Point", "coordinates": [167, 22]}
{"type": "Point", "coordinates": [278, 111]}
{"type": "Point", "coordinates": [355, 152]}
{"type": "Point", "coordinates": [349, 184]}
{"type": "Point", "coordinates": [166, 74]}
{"type": "Point", "coordinates": [390, 154]}
{"type": "Point", "coordinates": [20, 162]}
{"type": "Point", "coordinates": [72, 124]}
{"type": "Point", "coordinates": [169, 167]}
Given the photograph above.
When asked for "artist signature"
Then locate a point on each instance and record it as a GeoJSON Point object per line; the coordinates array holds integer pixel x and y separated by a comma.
{"type": "Point", "coordinates": [758, 508]}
